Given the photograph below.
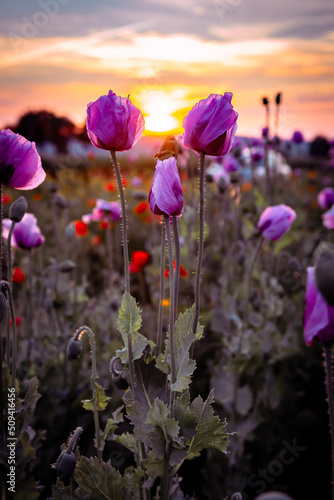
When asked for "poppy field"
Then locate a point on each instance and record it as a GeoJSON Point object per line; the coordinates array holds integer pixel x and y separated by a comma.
{"type": "Point", "coordinates": [167, 319]}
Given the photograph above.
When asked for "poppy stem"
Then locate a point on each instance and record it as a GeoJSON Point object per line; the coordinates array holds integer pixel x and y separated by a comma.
{"type": "Point", "coordinates": [12, 313]}
{"type": "Point", "coordinates": [30, 295]}
{"type": "Point", "coordinates": [162, 286]}
{"type": "Point", "coordinates": [124, 221]}
{"type": "Point", "coordinates": [109, 248]}
{"type": "Point", "coordinates": [329, 387]}
{"type": "Point", "coordinates": [0, 231]}
{"type": "Point", "coordinates": [200, 240]}
{"type": "Point", "coordinates": [171, 300]}
{"type": "Point", "coordinates": [9, 251]}
{"type": "Point", "coordinates": [250, 272]}
{"type": "Point", "coordinates": [93, 379]}
{"type": "Point", "coordinates": [177, 264]}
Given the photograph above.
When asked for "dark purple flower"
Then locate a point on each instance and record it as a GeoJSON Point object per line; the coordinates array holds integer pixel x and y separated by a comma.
{"type": "Point", "coordinates": [108, 211]}
{"type": "Point", "coordinates": [275, 221]}
{"type": "Point", "coordinates": [26, 234]}
{"type": "Point", "coordinates": [297, 137]}
{"type": "Point", "coordinates": [166, 196]}
{"type": "Point", "coordinates": [210, 125]}
{"type": "Point", "coordinates": [20, 164]}
{"type": "Point", "coordinates": [319, 316]}
{"type": "Point", "coordinates": [114, 123]}
{"type": "Point", "coordinates": [326, 198]}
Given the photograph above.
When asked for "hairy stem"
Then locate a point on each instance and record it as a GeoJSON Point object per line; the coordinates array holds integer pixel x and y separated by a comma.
{"type": "Point", "coordinates": [171, 300]}
{"type": "Point", "coordinates": [162, 286]}
{"type": "Point", "coordinates": [200, 241]}
{"type": "Point", "coordinates": [124, 221]}
{"type": "Point", "coordinates": [177, 264]}
{"type": "Point", "coordinates": [78, 333]}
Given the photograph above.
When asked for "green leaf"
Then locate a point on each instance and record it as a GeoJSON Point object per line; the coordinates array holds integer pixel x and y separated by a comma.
{"type": "Point", "coordinates": [184, 416]}
{"type": "Point", "coordinates": [128, 323]}
{"type": "Point", "coordinates": [210, 431]}
{"type": "Point", "coordinates": [158, 417]}
{"type": "Point", "coordinates": [100, 398]}
{"type": "Point", "coordinates": [184, 338]}
{"type": "Point", "coordinates": [61, 492]}
{"type": "Point", "coordinates": [154, 468]}
{"type": "Point", "coordinates": [99, 480]}
{"type": "Point", "coordinates": [128, 440]}
{"type": "Point", "coordinates": [150, 384]}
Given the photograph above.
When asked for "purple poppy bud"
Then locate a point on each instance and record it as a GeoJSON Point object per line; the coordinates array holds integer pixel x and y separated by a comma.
{"type": "Point", "coordinates": [166, 196]}
{"type": "Point", "coordinates": [114, 123]}
{"type": "Point", "coordinates": [326, 198]}
{"type": "Point", "coordinates": [297, 137]}
{"type": "Point", "coordinates": [20, 163]}
{"type": "Point", "coordinates": [324, 271]}
{"type": "Point", "coordinates": [26, 234]}
{"type": "Point", "coordinates": [319, 316]}
{"type": "Point", "coordinates": [275, 221]}
{"type": "Point", "coordinates": [231, 164]}
{"type": "Point", "coordinates": [210, 125]}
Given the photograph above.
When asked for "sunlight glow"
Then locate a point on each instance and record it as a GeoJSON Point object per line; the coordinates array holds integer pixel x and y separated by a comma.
{"type": "Point", "coordinates": [160, 123]}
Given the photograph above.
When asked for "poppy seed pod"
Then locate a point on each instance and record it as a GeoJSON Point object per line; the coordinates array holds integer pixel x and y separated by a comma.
{"type": "Point", "coordinates": [17, 209]}
{"type": "Point", "coordinates": [278, 98]}
{"type": "Point", "coordinates": [74, 348]}
{"type": "Point", "coordinates": [3, 306]}
{"type": "Point", "coordinates": [265, 101]}
{"type": "Point", "coordinates": [324, 271]}
{"type": "Point", "coordinates": [65, 466]}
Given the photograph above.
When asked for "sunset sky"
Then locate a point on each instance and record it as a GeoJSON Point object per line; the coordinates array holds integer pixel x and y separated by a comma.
{"type": "Point", "coordinates": [60, 55]}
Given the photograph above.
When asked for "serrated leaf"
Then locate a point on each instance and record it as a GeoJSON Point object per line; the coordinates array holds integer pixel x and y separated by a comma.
{"type": "Point", "coordinates": [158, 417]}
{"type": "Point", "coordinates": [184, 416]}
{"type": "Point", "coordinates": [99, 480]}
{"type": "Point", "coordinates": [129, 322]}
{"type": "Point", "coordinates": [210, 431]}
{"type": "Point", "coordinates": [184, 338]}
{"type": "Point", "coordinates": [100, 398]}
{"type": "Point", "coordinates": [128, 440]}
{"type": "Point", "coordinates": [154, 468]}
{"type": "Point", "coordinates": [61, 492]}
{"type": "Point", "coordinates": [150, 384]}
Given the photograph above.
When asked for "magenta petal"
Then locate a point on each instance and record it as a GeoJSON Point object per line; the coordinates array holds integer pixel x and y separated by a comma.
{"type": "Point", "coordinates": [319, 316]}
{"type": "Point", "coordinates": [275, 221]}
{"type": "Point", "coordinates": [166, 192]}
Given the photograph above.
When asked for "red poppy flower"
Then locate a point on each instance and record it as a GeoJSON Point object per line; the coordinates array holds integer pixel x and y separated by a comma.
{"type": "Point", "coordinates": [138, 261]}
{"type": "Point", "coordinates": [110, 186]}
{"type": "Point", "coordinates": [6, 198]}
{"type": "Point", "coordinates": [143, 206]}
{"type": "Point", "coordinates": [18, 275]}
{"type": "Point", "coordinates": [81, 229]}
{"type": "Point", "coordinates": [18, 321]}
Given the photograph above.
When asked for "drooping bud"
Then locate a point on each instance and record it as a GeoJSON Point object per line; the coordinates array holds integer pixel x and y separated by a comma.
{"type": "Point", "coordinates": [116, 369]}
{"type": "Point", "coordinates": [66, 461]}
{"type": "Point", "coordinates": [17, 209]}
{"type": "Point", "coordinates": [278, 98]}
{"type": "Point", "coordinates": [3, 306]}
{"type": "Point", "coordinates": [324, 271]}
{"type": "Point", "coordinates": [66, 266]}
{"type": "Point", "coordinates": [74, 348]}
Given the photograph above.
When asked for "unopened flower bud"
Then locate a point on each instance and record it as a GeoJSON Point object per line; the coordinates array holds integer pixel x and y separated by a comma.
{"type": "Point", "coordinates": [3, 306]}
{"type": "Point", "coordinates": [265, 101]}
{"type": "Point", "coordinates": [74, 348]}
{"type": "Point", "coordinates": [278, 98]}
{"type": "Point", "coordinates": [170, 147]}
{"type": "Point", "coordinates": [116, 369]}
{"type": "Point", "coordinates": [17, 209]}
{"type": "Point", "coordinates": [60, 201]}
{"type": "Point", "coordinates": [324, 271]}
{"type": "Point", "coordinates": [52, 187]}
{"type": "Point", "coordinates": [65, 466]}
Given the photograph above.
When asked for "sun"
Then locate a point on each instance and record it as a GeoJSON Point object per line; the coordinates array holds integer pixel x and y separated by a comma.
{"type": "Point", "coordinates": [160, 123]}
{"type": "Point", "coordinates": [159, 107]}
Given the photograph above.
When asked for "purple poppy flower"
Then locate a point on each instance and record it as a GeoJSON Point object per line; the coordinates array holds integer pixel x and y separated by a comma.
{"type": "Point", "coordinates": [166, 196]}
{"type": "Point", "coordinates": [20, 164]}
{"type": "Point", "coordinates": [114, 123]}
{"type": "Point", "coordinates": [26, 234]}
{"type": "Point", "coordinates": [275, 221]}
{"type": "Point", "coordinates": [104, 211]}
{"type": "Point", "coordinates": [319, 316]}
{"type": "Point", "coordinates": [210, 125]}
{"type": "Point", "coordinates": [231, 164]}
{"type": "Point", "coordinates": [297, 137]}
{"type": "Point", "coordinates": [328, 218]}
{"type": "Point", "coordinates": [326, 198]}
